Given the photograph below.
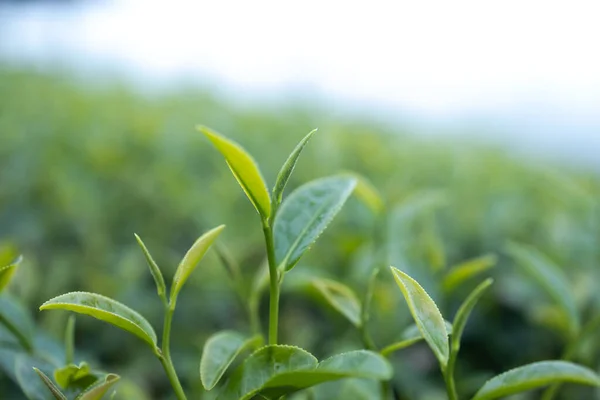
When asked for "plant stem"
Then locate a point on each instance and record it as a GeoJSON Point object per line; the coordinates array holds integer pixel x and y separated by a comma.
{"type": "Point", "coordinates": [165, 357]}
{"type": "Point", "coordinates": [448, 373]}
{"type": "Point", "coordinates": [274, 284]}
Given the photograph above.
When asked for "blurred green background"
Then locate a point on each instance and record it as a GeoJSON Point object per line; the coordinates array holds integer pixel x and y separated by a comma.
{"type": "Point", "coordinates": [82, 169]}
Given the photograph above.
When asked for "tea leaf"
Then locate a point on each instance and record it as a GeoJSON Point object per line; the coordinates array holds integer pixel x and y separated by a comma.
{"type": "Point", "coordinates": [159, 280]}
{"type": "Point", "coordinates": [220, 350]}
{"type": "Point", "coordinates": [70, 339]}
{"type": "Point", "coordinates": [6, 272]}
{"type": "Point", "coordinates": [28, 379]}
{"type": "Point", "coordinates": [104, 309]}
{"type": "Point", "coordinates": [274, 371]}
{"type": "Point", "coordinates": [65, 376]}
{"type": "Point", "coordinates": [191, 260]}
{"type": "Point", "coordinates": [58, 395]}
{"type": "Point", "coordinates": [244, 169]}
{"type": "Point", "coordinates": [288, 168]}
{"type": "Point", "coordinates": [410, 336]}
{"type": "Point", "coordinates": [464, 311]}
{"type": "Point", "coordinates": [536, 375]}
{"type": "Point", "coordinates": [305, 214]}
{"type": "Point", "coordinates": [341, 298]}
{"type": "Point", "coordinates": [17, 320]}
{"type": "Point", "coordinates": [466, 270]}
{"type": "Point", "coordinates": [98, 390]}
{"type": "Point", "coordinates": [550, 277]}
{"type": "Point", "coordinates": [428, 318]}
{"type": "Point", "coordinates": [368, 194]}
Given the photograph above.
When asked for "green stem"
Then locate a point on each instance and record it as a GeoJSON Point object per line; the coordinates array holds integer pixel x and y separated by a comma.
{"type": "Point", "coordinates": [165, 357]}
{"type": "Point", "coordinates": [448, 373]}
{"type": "Point", "coordinates": [274, 284]}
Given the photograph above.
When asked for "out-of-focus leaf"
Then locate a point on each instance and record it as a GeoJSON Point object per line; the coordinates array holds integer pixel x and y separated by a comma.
{"type": "Point", "coordinates": [410, 336]}
{"type": "Point", "coordinates": [466, 270]}
{"type": "Point", "coordinates": [427, 316]}
{"type": "Point", "coordinates": [305, 214]}
{"type": "Point", "coordinates": [17, 320]}
{"type": "Point", "coordinates": [6, 272]}
{"type": "Point", "coordinates": [104, 309]}
{"type": "Point", "coordinates": [341, 298]}
{"type": "Point", "coordinates": [28, 379]}
{"type": "Point", "coordinates": [288, 168]}
{"type": "Point", "coordinates": [245, 170]}
{"type": "Point", "coordinates": [368, 194]}
{"type": "Point", "coordinates": [191, 260]}
{"type": "Point", "coordinates": [98, 390]}
{"type": "Point", "coordinates": [536, 375]}
{"type": "Point", "coordinates": [70, 340]}
{"type": "Point", "coordinates": [550, 277]}
{"type": "Point", "coordinates": [159, 280]}
{"type": "Point", "coordinates": [274, 371]}
{"type": "Point", "coordinates": [464, 311]}
{"type": "Point", "coordinates": [220, 350]}
{"type": "Point", "coordinates": [58, 395]}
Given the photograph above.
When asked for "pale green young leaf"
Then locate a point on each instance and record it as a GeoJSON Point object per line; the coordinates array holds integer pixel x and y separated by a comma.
{"type": "Point", "coordinates": [410, 336]}
{"type": "Point", "coordinates": [70, 340]}
{"type": "Point", "coordinates": [305, 214]}
{"type": "Point", "coordinates": [534, 376]}
{"type": "Point", "coordinates": [368, 194]}
{"type": "Point", "coordinates": [159, 280]}
{"type": "Point", "coordinates": [464, 311]}
{"type": "Point", "coordinates": [341, 298]}
{"type": "Point", "coordinates": [15, 318]}
{"type": "Point", "coordinates": [191, 260]}
{"type": "Point", "coordinates": [104, 309]}
{"type": "Point", "coordinates": [220, 350]}
{"type": "Point", "coordinates": [244, 169]}
{"type": "Point", "coordinates": [58, 395]}
{"type": "Point", "coordinates": [466, 270]}
{"type": "Point", "coordinates": [70, 373]}
{"type": "Point", "coordinates": [427, 316]}
{"type": "Point", "coordinates": [288, 168]}
{"type": "Point", "coordinates": [550, 277]}
{"type": "Point", "coordinates": [6, 272]}
{"type": "Point", "coordinates": [99, 389]}
{"type": "Point", "coordinates": [274, 371]}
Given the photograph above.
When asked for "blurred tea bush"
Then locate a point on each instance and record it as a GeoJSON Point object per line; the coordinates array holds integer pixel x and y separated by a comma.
{"type": "Point", "coordinates": [84, 167]}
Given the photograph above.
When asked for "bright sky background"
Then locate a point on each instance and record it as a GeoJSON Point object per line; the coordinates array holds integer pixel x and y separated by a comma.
{"type": "Point", "coordinates": [530, 67]}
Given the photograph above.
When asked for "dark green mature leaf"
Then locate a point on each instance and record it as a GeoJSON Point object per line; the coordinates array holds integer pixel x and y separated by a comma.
{"type": "Point", "coordinates": [104, 309]}
{"type": "Point", "coordinates": [288, 168]}
{"type": "Point", "coordinates": [550, 277]}
{"type": "Point", "coordinates": [27, 378]}
{"type": "Point", "coordinates": [220, 350]}
{"type": "Point", "coordinates": [6, 272]}
{"type": "Point", "coordinates": [410, 336]}
{"type": "Point", "coordinates": [244, 169]}
{"type": "Point", "coordinates": [191, 260]}
{"type": "Point", "coordinates": [58, 395]}
{"type": "Point", "coordinates": [159, 280]}
{"type": "Point", "coordinates": [274, 371]}
{"type": "Point", "coordinates": [305, 214]}
{"type": "Point", "coordinates": [536, 375]}
{"type": "Point", "coordinates": [427, 316]}
{"type": "Point", "coordinates": [464, 311]}
{"type": "Point", "coordinates": [341, 298]}
{"type": "Point", "coordinates": [99, 389]}
{"type": "Point", "coordinates": [466, 270]}
{"type": "Point", "coordinates": [17, 321]}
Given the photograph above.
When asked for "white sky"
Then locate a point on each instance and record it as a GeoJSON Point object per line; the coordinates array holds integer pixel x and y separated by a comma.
{"type": "Point", "coordinates": [537, 60]}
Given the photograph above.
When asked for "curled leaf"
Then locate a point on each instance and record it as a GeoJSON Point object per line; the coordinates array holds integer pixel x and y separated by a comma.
{"type": "Point", "coordinates": [6, 272]}
{"type": "Point", "coordinates": [341, 298]}
{"type": "Point", "coordinates": [99, 389]}
{"type": "Point", "coordinates": [159, 280]}
{"type": "Point", "coordinates": [464, 311]}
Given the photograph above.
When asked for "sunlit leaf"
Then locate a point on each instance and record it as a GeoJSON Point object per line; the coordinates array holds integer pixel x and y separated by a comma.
{"type": "Point", "coordinates": [274, 371]}
{"type": "Point", "coordinates": [288, 168]}
{"type": "Point", "coordinates": [71, 373]}
{"type": "Point", "coordinates": [98, 390]}
{"type": "Point", "coordinates": [245, 170]}
{"type": "Point", "coordinates": [17, 321]}
{"type": "Point", "coordinates": [466, 270]}
{"type": "Point", "coordinates": [58, 395]}
{"type": "Point", "coordinates": [550, 277]}
{"type": "Point", "coordinates": [191, 260]}
{"type": "Point", "coordinates": [220, 350]}
{"type": "Point", "coordinates": [410, 336]}
{"type": "Point", "coordinates": [305, 214]}
{"type": "Point", "coordinates": [427, 316]}
{"type": "Point", "coordinates": [104, 309]}
{"type": "Point", "coordinates": [341, 298]}
{"type": "Point", "coordinates": [368, 194]}
{"type": "Point", "coordinates": [159, 280]}
{"type": "Point", "coordinates": [6, 272]}
{"type": "Point", "coordinates": [536, 375]}
{"type": "Point", "coordinates": [464, 311]}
